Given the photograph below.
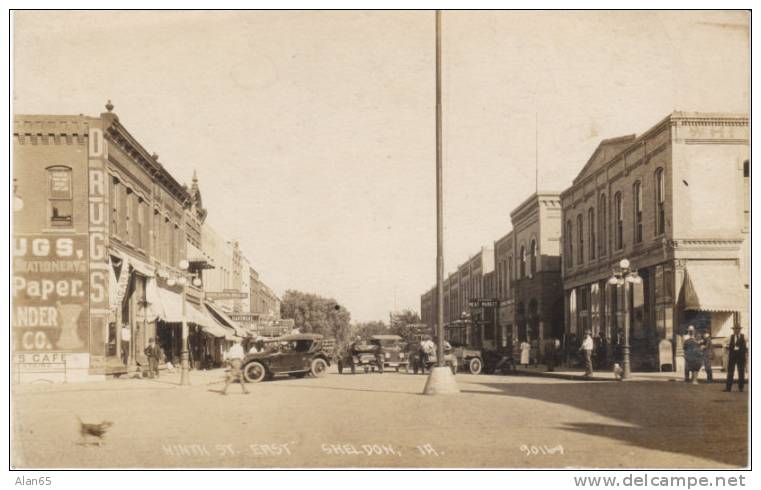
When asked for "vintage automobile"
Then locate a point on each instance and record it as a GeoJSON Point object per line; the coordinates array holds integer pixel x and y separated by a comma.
{"type": "Point", "coordinates": [469, 360]}
{"type": "Point", "coordinates": [360, 354]}
{"type": "Point", "coordinates": [296, 355]}
{"type": "Point", "coordinates": [393, 349]}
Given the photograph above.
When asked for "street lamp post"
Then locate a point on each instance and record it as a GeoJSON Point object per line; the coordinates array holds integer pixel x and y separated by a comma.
{"type": "Point", "coordinates": [623, 275]}
{"type": "Point", "coordinates": [183, 281]}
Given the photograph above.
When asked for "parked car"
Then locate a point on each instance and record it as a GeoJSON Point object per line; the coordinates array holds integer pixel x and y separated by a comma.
{"type": "Point", "coordinates": [469, 360]}
{"type": "Point", "coordinates": [296, 355]}
{"type": "Point", "coordinates": [392, 349]}
{"type": "Point", "coordinates": [360, 354]}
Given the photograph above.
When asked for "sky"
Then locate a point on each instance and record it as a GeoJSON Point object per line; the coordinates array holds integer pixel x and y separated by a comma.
{"type": "Point", "coordinates": [313, 133]}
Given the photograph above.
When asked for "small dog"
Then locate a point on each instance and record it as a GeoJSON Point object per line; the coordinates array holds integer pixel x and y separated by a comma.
{"type": "Point", "coordinates": [93, 431]}
{"type": "Point", "coordinates": [618, 373]}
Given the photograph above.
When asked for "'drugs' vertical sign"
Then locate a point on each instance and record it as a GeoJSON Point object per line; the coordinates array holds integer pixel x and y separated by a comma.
{"type": "Point", "coordinates": [98, 256]}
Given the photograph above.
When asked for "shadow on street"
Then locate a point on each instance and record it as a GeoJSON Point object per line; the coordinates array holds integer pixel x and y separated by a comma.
{"type": "Point", "coordinates": [700, 421]}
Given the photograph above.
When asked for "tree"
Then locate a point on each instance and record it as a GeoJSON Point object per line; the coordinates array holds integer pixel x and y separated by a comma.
{"type": "Point", "coordinates": [312, 313]}
{"type": "Point", "coordinates": [402, 323]}
{"type": "Point", "coordinates": [367, 329]}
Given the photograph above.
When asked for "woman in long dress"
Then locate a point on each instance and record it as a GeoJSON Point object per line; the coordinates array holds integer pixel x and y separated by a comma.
{"type": "Point", "coordinates": [525, 353]}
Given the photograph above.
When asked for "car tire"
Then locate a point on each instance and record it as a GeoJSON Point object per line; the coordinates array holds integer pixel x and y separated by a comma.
{"type": "Point", "coordinates": [254, 372]}
{"type": "Point", "coordinates": [475, 366]}
{"type": "Point", "coordinates": [319, 367]}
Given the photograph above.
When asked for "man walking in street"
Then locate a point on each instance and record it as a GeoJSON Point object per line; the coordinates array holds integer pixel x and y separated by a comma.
{"type": "Point", "coordinates": [235, 358]}
{"type": "Point", "coordinates": [153, 352]}
{"type": "Point", "coordinates": [587, 347]}
{"type": "Point", "coordinates": [738, 352]}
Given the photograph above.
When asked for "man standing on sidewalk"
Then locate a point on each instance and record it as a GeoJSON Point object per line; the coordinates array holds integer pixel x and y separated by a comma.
{"type": "Point", "coordinates": [707, 346]}
{"type": "Point", "coordinates": [738, 352]}
{"type": "Point", "coordinates": [587, 347]}
{"type": "Point", "coordinates": [154, 354]}
{"type": "Point", "coordinates": [685, 341]}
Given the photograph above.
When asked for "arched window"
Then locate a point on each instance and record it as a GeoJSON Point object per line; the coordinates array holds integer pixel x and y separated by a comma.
{"type": "Point", "coordinates": [603, 222]}
{"type": "Point", "coordinates": [618, 206]}
{"type": "Point", "coordinates": [523, 262]}
{"type": "Point", "coordinates": [60, 195]}
{"type": "Point", "coordinates": [580, 234]}
{"type": "Point", "coordinates": [592, 232]}
{"type": "Point", "coordinates": [660, 203]}
{"type": "Point", "coordinates": [569, 243]}
{"type": "Point", "coordinates": [509, 277]}
{"type": "Point", "coordinates": [637, 211]}
{"type": "Point", "coordinates": [532, 254]}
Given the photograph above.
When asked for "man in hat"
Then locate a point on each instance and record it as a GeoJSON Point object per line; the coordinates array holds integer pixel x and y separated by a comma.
{"type": "Point", "coordinates": [154, 354]}
{"type": "Point", "coordinates": [686, 340]}
{"type": "Point", "coordinates": [587, 348]}
{"type": "Point", "coordinates": [738, 353]}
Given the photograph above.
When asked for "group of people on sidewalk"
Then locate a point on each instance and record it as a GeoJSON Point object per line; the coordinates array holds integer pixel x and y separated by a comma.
{"type": "Point", "coordinates": [699, 354]}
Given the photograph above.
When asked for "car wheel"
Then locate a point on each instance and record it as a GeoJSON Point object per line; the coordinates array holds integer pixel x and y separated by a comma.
{"type": "Point", "coordinates": [475, 366]}
{"type": "Point", "coordinates": [254, 372]}
{"type": "Point", "coordinates": [319, 367]}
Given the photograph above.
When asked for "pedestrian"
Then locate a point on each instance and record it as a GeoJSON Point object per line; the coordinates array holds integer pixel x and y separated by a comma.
{"type": "Point", "coordinates": [516, 353]}
{"type": "Point", "coordinates": [687, 336]}
{"type": "Point", "coordinates": [587, 348]}
{"type": "Point", "coordinates": [154, 354]}
{"type": "Point", "coordinates": [535, 352]}
{"type": "Point", "coordinates": [550, 349]}
{"type": "Point", "coordinates": [380, 356]}
{"type": "Point", "coordinates": [707, 346]}
{"type": "Point", "coordinates": [738, 354]}
{"type": "Point", "coordinates": [126, 335]}
{"type": "Point", "coordinates": [693, 358]}
{"type": "Point", "coordinates": [257, 346]}
{"type": "Point", "coordinates": [525, 353]}
{"type": "Point", "coordinates": [235, 359]}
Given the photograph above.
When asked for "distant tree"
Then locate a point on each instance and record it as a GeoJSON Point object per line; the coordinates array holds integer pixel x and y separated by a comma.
{"type": "Point", "coordinates": [367, 329]}
{"type": "Point", "coordinates": [401, 322]}
{"type": "Point", "coordinates": [312, 313]}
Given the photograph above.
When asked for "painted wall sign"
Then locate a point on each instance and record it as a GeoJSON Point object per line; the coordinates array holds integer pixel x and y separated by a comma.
{"type": "Point", "coordinates": [50, 293]}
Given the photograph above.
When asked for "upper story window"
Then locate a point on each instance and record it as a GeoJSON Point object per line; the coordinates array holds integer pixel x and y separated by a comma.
{"type": "Point", "coordinates": [746, 192]}
{"type": "Point", "coordinates": [660, 203]}
{"type": "Point", "coordinates": [592, 237]}
{"type": "Point", "coordinates": [603, 222]}
{"type": "Point", "coordinates": [637, 211]}
{"type": "Point", "coordinates": [129, 216]}
{"type": "Point", "coordinates": [523, 263]}
{"type": "Point", "coordinates": [532, 257]}
{"type": "Point", "coordinates": [580, 235]}
{"type": "Point", "coordinates": [60, 196]}
{"type": "Point", "coordinates": [569, 243]}
{"type": "Point", "coordinates": [618, 209]}
{"type": "Point", "coordinates": [509, 274]}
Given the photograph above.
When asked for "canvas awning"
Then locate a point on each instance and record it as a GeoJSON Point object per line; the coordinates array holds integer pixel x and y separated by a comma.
{"type": "Point", "coordinates": [221, 317]}
{"type": "Point", "coordinates": [713, 286]}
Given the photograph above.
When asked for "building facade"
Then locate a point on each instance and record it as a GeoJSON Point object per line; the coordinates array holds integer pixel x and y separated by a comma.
{"type": "Point", "coordinates": [674, 202]}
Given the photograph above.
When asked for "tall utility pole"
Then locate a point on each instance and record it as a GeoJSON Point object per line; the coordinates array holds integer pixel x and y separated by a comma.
{"type": "Point", "coordinates": [439, 205]}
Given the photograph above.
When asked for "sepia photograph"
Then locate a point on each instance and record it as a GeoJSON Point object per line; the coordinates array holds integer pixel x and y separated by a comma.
{"type": "Point", "coordinates": [380, 239]}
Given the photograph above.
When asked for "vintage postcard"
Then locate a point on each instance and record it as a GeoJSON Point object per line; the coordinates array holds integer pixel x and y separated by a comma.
{"type": "Point", "coordinates": [380, 239]}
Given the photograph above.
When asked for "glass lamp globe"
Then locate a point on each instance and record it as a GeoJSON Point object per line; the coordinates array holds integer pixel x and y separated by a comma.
{"type": "Point", "coordinates": [184, 264]}
{"type": "Point", "coordinates": [624, 263]}
{"type": "Point", "coordinates": [197, 282]}
{"type": "Point", "coordinates": [171, 282]}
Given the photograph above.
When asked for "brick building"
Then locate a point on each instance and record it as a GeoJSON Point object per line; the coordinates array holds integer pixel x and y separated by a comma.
{"type": "Point", "coordinates": [674, 202]}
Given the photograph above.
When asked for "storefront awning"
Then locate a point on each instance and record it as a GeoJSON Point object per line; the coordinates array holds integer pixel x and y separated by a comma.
{"type": "Point", "coordinates": [713, 286]}
{"type": "Point", "coordinates": [168, 308]}
{"type": "Point", "coordinates": [220, 316]}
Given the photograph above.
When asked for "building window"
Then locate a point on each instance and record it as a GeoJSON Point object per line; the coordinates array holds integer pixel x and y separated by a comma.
{"type": "Point", "coordinates": [569, 243]}
{"type": "Point", "coordinates": [746, 193]}
{"type": "Point", "coordinates": [523, 263]}
{"type": "Point", "coordinates": [533, 252]}
{"type": "Point", "coordinates": [603, 221]}
{"type": "Point", "coordinates": [637, 210]}
{"type": "Point", "coordinates": [156, 233]}
{"type": "Point", "coordinates": [141, 228]}
{"type": "Point", "coordinates": [509, 275]}
{"type": "Point", "coordinates": [660, 203]}
{"type": "Point", "coordinates": [619, 213]}
{"type": "Point", "coordinates": [113, 195]}
{"type": "Point", "coordinates": [60, 196]}
{"type": "Point", "coordinates": [580, 234]}
{"type": "Point", "coordinates": [129, 217]}
{"type": "Point", "coordinates": [592, 238]}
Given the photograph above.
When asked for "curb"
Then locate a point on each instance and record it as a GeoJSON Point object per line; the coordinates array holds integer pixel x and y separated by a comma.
{"type": "Point", "coordinates": [574, 377]}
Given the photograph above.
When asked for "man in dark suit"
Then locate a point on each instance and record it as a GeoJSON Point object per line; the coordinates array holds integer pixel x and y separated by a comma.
{"type": "Point", "coordinates": [738, 353]}
{"type": "Point", "coordinates": [154, 354]}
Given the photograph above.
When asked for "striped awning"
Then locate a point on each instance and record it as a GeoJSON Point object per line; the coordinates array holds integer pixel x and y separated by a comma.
{"type": "Point", "coordinates": [713, 286]}
{"type": "Point", "coordinates": [223, 319]}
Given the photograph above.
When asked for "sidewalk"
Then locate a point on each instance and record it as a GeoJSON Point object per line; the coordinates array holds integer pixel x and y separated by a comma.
{"type": "Point", "coordinates": [562, 372]}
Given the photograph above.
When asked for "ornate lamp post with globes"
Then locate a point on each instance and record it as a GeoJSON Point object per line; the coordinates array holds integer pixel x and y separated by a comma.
{"type": "Point", "coordinates": [183, 280]}
{"type": "Point", "coordinates": [623, 275]}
